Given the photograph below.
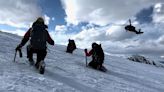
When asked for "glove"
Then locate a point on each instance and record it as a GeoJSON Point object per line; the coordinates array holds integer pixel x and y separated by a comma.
{"type": "Point", "coordinates": [18, 47]}
{"type": "Point", "coordinates": [85, 50]}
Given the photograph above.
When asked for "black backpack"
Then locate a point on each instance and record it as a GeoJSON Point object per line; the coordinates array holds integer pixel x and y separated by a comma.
{"type": "Point", "coordinates": [98, 55]}
{"type": "Point", "coordinates": [38, 36]}
{"type": "Point", "coordinates": [71, 46]}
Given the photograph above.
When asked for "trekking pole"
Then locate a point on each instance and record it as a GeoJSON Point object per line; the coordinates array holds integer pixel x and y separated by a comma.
{"type": "Point", "coordinates": [86, 61]}
{"type": "Point", "coordinates": [15, 55]}
{"type": "Point", "coordinates": [20, 54]}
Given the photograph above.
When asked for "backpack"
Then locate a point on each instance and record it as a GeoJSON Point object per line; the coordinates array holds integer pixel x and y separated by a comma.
{"type": "Point", "coordinates": [98, 55]}
{"type": "Point", "coordinates": [38, 36]}
{"type": "Point", "coordinates": [71, 46]}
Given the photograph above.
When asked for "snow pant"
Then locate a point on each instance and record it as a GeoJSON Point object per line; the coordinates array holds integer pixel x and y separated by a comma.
{"type": "Point", "coordinates": [41, 54]}
{"type": "Point", "coordinates": [94, 64]}
{"type": "Point", "coordinates": [69, 50]}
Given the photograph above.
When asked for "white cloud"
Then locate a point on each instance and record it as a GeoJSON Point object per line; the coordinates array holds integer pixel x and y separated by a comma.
{"type": "Point", "coordinates": [47, 19]}
{"type": "Point", "coordinates": [161, 40]}
{"type": "Point", "coordinates": [158, 15]}
{"type": "Point", "coordinates": [71, 10]}
{"type": "Point", "coordinates": [114, 38]}
{"type": "Point", "coordinates": [81, 39]}
{"type": "Point", "coordinates": [158, 7]}
{"type": "Point", "coordinates": [61, 28]}
{"type": "Point", "coordinates": [87, 35]}
{"type": "Point", "coordinates": [53, 19]}
{"type": "Point", "coordinates": [151, 42]}
{"type": "Point", "coordinates": [19, 13]}
{"type": "Point", "coordinates": [116, 33]}
{"type": "Point", "coordinates": [60, 36]}
{"type": "Point", "coordinates": [103, 12]}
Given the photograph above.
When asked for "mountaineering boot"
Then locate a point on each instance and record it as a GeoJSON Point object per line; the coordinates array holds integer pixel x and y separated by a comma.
{"type": "Point", "coordinates": [98, 67]}
{"type": "Point", "coordinates": [37, 65]}
{"type": "Point", "coordinates": [102, 68]}
{"type": "Point", "coordinates": [42, 67]}
{"type": "Point", "coordinates": [31, 61]}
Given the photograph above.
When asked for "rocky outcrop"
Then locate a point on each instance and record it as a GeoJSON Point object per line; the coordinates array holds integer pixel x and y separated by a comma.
{"type": "Point", "coordinates": [142, 59]}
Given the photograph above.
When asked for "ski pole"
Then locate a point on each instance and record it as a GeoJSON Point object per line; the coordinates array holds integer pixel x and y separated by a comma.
{"type": "Point", "coordinates": [86, 61]}
{"type": "Point", "coordinates": [15, 55]}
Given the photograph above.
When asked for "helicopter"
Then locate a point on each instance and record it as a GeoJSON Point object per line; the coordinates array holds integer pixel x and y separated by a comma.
{"type": "Point", "coordinates": [132, 28]}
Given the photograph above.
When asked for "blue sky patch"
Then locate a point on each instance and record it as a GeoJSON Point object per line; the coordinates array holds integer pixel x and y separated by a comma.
{"type": "Point", "coordinates": [145, 15]}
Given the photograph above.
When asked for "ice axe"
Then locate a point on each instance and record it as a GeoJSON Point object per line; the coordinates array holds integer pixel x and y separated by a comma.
{"type": "Point", "coordinates": [15, 55]}
{"type": "Point", "coordinates": [20, 53]}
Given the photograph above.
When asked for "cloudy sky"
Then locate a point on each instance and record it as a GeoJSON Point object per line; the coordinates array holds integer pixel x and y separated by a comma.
{"type": "Point", "coordinates": [88, 21]}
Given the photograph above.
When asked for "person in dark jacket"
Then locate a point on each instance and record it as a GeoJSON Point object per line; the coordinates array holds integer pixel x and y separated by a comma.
{"type": "Point", "coordinates": [97, 56]}
{"type": "Point", "coordinates": [38, 36]}
{"type": "Point", "coordinates": [71, 46]}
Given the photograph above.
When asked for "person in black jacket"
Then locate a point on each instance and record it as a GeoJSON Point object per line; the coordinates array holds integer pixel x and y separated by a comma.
{"type": "Point", "coordinates": [71, 46]}
{"type": "Point", "coordinates": [97, 56]}
{"type": "Point", "coordinates": [38, 36]}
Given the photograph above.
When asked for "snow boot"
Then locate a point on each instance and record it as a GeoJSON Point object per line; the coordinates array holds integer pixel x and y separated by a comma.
{"type": "Point", "coordinates": [42, 67]}
{"type": "Point", "coordinates": [31, 61]}
{"type": "Point", "coordinates": [103, 69]}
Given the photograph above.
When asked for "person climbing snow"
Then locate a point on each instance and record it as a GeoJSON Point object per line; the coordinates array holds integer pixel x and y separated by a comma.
{"type": "Point", "coordinates": [71, 46]}
{"type": "Point", "coordinates": [97, 57]}
{"type": "Point", "coordinates": [39, 36]}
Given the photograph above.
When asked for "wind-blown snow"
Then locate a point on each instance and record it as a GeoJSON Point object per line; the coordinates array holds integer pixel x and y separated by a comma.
{"type": "Point", "coordinates": [68, 73]}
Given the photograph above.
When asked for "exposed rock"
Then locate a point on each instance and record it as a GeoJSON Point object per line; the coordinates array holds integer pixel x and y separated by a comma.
{"type": "Point", "coordinates": [142, 59]}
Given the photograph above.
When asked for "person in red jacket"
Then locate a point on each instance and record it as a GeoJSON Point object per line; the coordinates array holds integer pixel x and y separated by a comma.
{"type": "Point", "coordinates": [97, 56]}
{"type": "Point", "coordinates": [38, 36]}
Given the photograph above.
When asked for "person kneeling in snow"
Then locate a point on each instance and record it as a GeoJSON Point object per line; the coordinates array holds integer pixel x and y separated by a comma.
{"type": "Point", "coordinates": [97, 56]}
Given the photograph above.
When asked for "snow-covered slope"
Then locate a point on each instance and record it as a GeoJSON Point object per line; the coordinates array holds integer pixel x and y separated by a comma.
{"type": "Point", "coordinates": [68, 73]}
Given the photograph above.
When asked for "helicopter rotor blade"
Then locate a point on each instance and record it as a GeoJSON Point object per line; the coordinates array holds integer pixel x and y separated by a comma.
{"type": "Point", "coordinates": [118, 24]}
{"type": "Point", "coordinates": [130, 21]}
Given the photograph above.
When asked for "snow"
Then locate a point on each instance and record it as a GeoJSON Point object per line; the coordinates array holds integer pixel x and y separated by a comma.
{"type": "Point", "coordinates": [68, 73]}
